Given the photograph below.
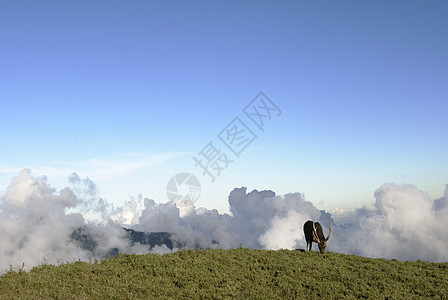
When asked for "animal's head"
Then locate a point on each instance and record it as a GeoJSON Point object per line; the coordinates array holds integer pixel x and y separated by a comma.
{"type": "Point", "coordinates": [321, 243]}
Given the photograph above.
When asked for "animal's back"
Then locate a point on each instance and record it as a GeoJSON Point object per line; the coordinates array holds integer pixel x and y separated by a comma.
{"type": "Point", "coordinates": [308, 230]}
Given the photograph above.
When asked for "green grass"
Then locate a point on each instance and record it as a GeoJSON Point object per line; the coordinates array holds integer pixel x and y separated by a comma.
{"type": "Point", "coordinates": [227, 274]}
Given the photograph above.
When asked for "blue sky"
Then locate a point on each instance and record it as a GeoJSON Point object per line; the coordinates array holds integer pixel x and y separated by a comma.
{"type": "Point", "coordinates": [127, 93]}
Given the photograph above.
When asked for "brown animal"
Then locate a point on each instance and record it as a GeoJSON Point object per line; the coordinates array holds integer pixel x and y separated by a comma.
{"type": "Point", "coordinates": [313, 233]}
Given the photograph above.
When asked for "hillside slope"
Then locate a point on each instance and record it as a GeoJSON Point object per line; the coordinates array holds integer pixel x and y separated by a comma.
{"type": "Point", "coordinates": [235, 273]}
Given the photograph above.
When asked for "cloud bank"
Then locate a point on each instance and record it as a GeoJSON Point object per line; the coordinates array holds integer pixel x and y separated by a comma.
{"type": "Point", "coordinates": [38, 224]}
{"type": "Point", "coordinates": [405, 224]}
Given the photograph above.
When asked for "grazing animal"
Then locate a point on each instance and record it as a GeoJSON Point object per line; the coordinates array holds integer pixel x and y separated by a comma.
{"type": "Point", "coordinates": [313, 233]}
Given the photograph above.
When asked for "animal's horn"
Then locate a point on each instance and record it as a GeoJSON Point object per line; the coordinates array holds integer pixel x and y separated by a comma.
{"type": "Point", "coordinates": [315, 234]}
{"type": "Point", "coordinates": [328, 237]}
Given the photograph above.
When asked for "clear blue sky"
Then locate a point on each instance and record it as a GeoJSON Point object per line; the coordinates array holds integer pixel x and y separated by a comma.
{"type": "Point", "coordinates": [127, 93]}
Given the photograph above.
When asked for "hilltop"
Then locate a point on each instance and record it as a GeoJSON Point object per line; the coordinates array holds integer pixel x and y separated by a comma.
{"type": "Point", "coordinates": [235, 273]}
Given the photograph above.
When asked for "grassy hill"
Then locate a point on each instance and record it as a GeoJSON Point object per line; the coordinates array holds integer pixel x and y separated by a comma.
{"type": "Point", "coordinates": [236, 273]}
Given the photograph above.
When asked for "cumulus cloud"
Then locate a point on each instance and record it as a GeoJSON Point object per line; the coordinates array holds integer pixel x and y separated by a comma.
{"type": "Point", "coordinates": [405, 225]}
{"type": "Point", "coordinates": [33, 223]}
{"type": "Point", "coordinates": [255, 220]}
{"type": "Point", "coordinates": [38, 223]}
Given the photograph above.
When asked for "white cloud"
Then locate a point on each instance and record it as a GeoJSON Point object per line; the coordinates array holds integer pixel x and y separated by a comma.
{"type": "Point", "coordinates": [101, 169]}
{"type": "Point", "coordinates": [36, 222]}
{"type": "Point", "coordinates": [104, 169]}
{"type": "Point", "coordinates": [405, 224]}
